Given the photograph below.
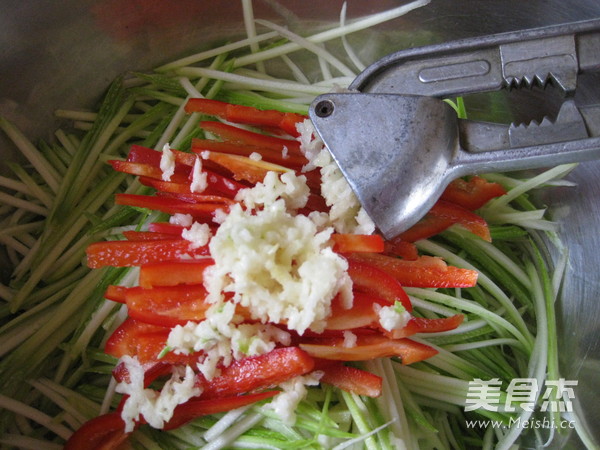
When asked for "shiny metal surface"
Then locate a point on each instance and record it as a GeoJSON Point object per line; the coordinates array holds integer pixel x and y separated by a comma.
{"type": "Point", "coordinates": [403, 150]}
{"type": "Point", "coordinates": [397, 155]}
{"type": "Point", "coordinates": [64, 54]}
{"type": "Point", "coordinates": [407, 145]}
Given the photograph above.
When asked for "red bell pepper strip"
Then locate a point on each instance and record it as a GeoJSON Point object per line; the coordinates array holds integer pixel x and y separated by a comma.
{"type": "Point", "coordinates": [473, 193]}
{"type": "Point", "coordinates": [265, 118]}
{"type": "Point", "coordinates": [428, 226]}
{"type": "Point", "coordinates": [244, 168]}
{"type": "Point", "coordinates": [207, 106]}
{"type": "Point", "coordinates": [313, 180]}
{"type": "Point", "coordinates": [173, 273]}
{"type": "Point", "coordinates": [170, 206]}
{"type": "Point", "coordinates": [258, 372]}
{"type": "Point", "coordinates": [132, 235]}
{"type": "Point", "coordinates": [360, 315]}
{"type": "Point", "coordinates": [348, 243]}
{"type": "Point", "coordinates": [167, 228]}
{"type": "Point", "coordinates": [115, 293]}
{"type": "Point", "coordinates": [443, 215]}
{"type": "Point", "coordinates": [146, 170]}
{"type": "Point", "coordinates": [426, 271]}
{"type": "Point", "coordinates": [167, 306]}
{"type": "Point", "coordinates": [364, 316]}
{"type": "Point", "coordinates": [194, 408]}
{"type": "Point", "coordinates": [196, 198]}
{"type": "Point", "coordinates": [289, 123]}
{"type": "Point", "coordinates": [370, 279]}
{"type": "Point", "coordinates": [216, 184]}
{"type": "Point", "coordinates": [424, 325]}
{"type": "Point", "coordinates": [146, 155]}
{"type": "Point", "coordinates": [463, 217]}
{"type": "Point", "coordinates": [146, 341]}
{"type": "Point", "coordinates": [368, 346]}
{"type": "Point", "coordinates": [107, 432]}
{"type": "Point", "coordinates": [314, 203]}
{"type": "Point", "coordinates": [184, 161]}
{"type": "Point", "coordinates": [275, 156]}
{"type": "Point", "coordinates": [225, 185]}
{"type": "Point", "coordinates": [127, 338]}
{"type": "Point", "coordinates": [240, 136]}
{"type": "Point", "coordinates": [152, 371]}
{"type": "Point", "coordinates": [246, 114]}
{"type": "Point", "coordinates": [401, 248]}
{"type": "Point", "coordinates": [137, 253]}
{"type": "Point", "coordinates": [166, 186]}
{"type": "Point", "coordinates": [104, 432]}
{"type": "Point", "coordinates": [350, 379]}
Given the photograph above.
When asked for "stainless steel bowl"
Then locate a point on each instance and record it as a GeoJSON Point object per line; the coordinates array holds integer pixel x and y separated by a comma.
{"type": "Point", "coordinates": [64, 54]}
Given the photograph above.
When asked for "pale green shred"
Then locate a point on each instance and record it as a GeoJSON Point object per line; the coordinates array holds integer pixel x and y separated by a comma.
{"type": "Point", "coordinates": [54, 320]}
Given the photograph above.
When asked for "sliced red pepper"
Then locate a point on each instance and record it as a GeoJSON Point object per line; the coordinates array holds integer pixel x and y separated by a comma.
{"type": "Point", "coordinates": [240, 136]}
{"type": "Point", "coordinates": [207, 106]}
{"type": "Point", "coordinates": [167, 306]}
{"type": "Point", "coordinates": [253, 116]}
{"type": "Point", "coordinates": [184, 161]}
{"type": "Point", "coordinates": [152, 371]}
{"type": "Point", "coordinates": [131, 235]}
{"type": "Point", "coordinates": [126, 339]}
{"type": "Point", "coordinates": [289, 123]}
{"type": "Point", "coordinates": [426, 271]}
{"type": "Point", "coordinates": [166, 186]}
{"type": "Point", "coordinates": [472, 193]}
{"type": "Point", "coordinates": [368, 346]}
{"type": "Point", "coordinates": [166, 228]}
{"type": "Point", "coordinates": [107, 432]}
{"type": "Point", "coordinates": [245, 168]}
{"type": "Point", "coordinates": [463, 217]}
{"type": "Point", "coordinates": [146, 170]}
{"type": "Point", "coordinates": [275, 156]}
{"type": "Point", "coordinates": [146, 341]}
{"type": "Point", "coordinates": [146, 155]}
{"type": "Point", "coordinates": [137, 253]}
{"type": "Point", "coordinates": [103, 432]}
{"type": "Point", "coordinates": [258, 372]}
{"type": "Point", "coordinates": [428, 226]}
{"type": "Point", "coordinates": [220, 183]}
{"type": "Point", "coordinates": [172, 273]}
{"type": "Point", "coordinates": [195, 408]}
{"type": "Point", "coordinates": [401, 248]}
{"type": "Point", "coordinates": [216, 184]}
{"type": "Point", "coordinates": [246, 114]}
{"type": "Point", "coordinates": [443, 215]}
{"type": "Point", "coordinates": [350, 379]}
{"type": "Point", "coordinates": [361, 315]}
{"type": "Point", "coordinates": [348, 243]}
{"type": "Point", "coordinates": [424, 325]}
{"type": "Point", "coordinates": [364, 316]}
{"type": "Point", "coordinates": [196, 198]}
{"type": "Point", "coordinates": [203, 211]}
{"type": "Point", "coordinates": [313, 180]}
{"type": "Point", "coordinates": [370, 279]}
{"type": "Point", "coordinates": [314, 203]}
{"type": "Point", "coordinates": [115, 293]}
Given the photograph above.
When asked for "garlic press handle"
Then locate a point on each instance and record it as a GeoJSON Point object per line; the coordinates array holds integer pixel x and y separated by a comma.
{"type": "Point", "coordinates": [556, 53]}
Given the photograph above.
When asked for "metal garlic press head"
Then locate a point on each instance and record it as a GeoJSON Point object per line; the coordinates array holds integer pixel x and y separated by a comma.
{"type": "Point", "coordinates": [399, 144]}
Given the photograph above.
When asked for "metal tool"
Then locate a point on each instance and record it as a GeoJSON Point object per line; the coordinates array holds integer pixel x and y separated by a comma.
{"type": "Point", "coordinates": [399, 144]}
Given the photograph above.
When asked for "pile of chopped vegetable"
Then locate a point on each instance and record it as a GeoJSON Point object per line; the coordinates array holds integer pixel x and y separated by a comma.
{"type": "Point", "coordinates": [192, 270]}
